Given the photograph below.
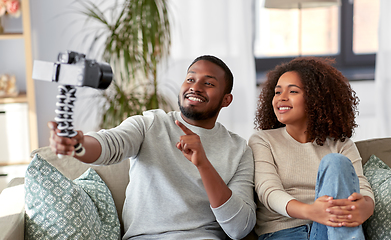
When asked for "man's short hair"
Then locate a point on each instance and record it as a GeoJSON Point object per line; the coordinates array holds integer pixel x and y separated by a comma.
{"type": "Point", "coordinates": [228, 74]}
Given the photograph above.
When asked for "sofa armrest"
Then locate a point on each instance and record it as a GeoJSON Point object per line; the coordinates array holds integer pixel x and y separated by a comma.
{"type": "Point", "coordinates": [12, 210]}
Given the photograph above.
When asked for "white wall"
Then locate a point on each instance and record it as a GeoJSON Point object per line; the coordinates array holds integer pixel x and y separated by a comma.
{"type": "Point", "coordinates": [12, 52]}
{"type": "Point", "coordinates": [366, 120]}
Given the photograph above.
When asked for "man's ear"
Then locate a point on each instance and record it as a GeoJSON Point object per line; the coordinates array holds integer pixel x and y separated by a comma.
{"type": "Point", "coordinates": [227, 100]}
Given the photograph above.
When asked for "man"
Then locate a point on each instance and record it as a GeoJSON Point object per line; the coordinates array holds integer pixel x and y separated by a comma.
{"type": "Point", "coordinates": [191, 177]}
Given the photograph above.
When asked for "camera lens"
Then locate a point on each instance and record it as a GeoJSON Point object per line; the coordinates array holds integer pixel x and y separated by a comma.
{"type": "Point", "coordinates": [106, 76]}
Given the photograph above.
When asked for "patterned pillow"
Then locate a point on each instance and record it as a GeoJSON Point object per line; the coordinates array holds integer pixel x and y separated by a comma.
{"type": "Point", "coordinates": [377, 227]}
{"type": "Point", "coordinates": [59, 208]}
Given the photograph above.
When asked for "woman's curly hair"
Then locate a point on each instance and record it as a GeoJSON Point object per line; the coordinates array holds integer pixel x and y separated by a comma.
{"type": "Point", "coordinates": [331, 104]}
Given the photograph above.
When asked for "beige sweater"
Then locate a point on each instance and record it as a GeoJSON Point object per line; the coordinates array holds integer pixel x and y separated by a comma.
{"type": "Point", "coordinates": [286, 169]}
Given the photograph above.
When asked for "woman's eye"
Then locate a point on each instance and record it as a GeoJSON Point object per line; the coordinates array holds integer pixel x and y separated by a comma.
{"type": "Point", "coordinates": [190, 80]}
{"type": "Point", "coordinates": [277, 92]}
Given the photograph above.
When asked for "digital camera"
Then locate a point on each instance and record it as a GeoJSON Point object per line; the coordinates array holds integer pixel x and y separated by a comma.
{"type": "Point", "coordinates": [74, 69]}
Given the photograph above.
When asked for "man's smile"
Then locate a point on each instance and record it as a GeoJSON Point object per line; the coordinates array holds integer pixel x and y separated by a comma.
{"type": "Point", "coordinates": [195, 97]}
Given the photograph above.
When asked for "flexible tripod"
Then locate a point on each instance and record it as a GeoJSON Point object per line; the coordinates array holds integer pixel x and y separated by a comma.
{"type": "Point", "coordinates": [66, 98]}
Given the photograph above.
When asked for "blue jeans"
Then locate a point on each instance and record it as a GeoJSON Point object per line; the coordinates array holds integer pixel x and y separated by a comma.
{"type": "Point", "coordinates": [338, 179]}
{"type": "Point", "coordinates": [296, 233]}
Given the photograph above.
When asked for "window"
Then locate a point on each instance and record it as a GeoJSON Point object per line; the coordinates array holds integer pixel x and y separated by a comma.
{"type": "Point", "coordinates": [294, 32]}
{"type": "Point", "coordinates": [347, 33]}
{"type": "Point", "coordinates": [365, 22]}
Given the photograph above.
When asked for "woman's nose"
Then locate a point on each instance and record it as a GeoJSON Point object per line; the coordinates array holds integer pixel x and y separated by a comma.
{"type": "Point", "coordinates": [284, 96]}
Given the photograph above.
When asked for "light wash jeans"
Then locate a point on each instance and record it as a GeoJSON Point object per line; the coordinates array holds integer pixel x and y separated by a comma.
{"type": "Point", "coordinates": [338, 179]}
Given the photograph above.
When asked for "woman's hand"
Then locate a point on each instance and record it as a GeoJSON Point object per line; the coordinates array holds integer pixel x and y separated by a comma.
{"type": "Point", "coordinates": [316, 211]}
{"type": "Point", "coordinates": [351, 212]}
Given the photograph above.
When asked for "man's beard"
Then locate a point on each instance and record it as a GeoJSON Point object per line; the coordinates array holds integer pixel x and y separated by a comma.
{"type": "Point", "coordinates": [191, 113]}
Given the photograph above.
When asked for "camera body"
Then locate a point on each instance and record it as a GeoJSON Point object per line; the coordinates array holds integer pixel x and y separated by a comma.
{"type": "Point", "coordinates": [74, 69]}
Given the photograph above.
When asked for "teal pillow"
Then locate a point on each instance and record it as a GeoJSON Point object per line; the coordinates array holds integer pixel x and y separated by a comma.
{"type": "Point", "coordinates": [59, 208]}
{"type": "Point", "coordinates": [377, 227]}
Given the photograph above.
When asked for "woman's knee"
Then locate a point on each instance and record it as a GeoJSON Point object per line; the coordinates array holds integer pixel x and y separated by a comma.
{"type": "Point", "coordinates": [336, 161]}
{"type": "Point", "coordinates": [336, 177]}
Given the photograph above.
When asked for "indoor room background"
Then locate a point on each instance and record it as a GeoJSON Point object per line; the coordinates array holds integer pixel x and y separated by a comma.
{"type": "Point", "coordinates": [237, 31]}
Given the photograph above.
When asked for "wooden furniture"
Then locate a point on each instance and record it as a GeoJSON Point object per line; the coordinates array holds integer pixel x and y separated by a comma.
{"type": "Point", "coordinates": [29, 96]}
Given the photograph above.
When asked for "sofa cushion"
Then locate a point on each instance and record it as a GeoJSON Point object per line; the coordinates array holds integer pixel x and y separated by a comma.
{"type": "Point", "coordinates": [115, 176]}
{"type": "Point", "coordinates": [377, 227]}
{"type": "Point", "coordinates": [59, 208]}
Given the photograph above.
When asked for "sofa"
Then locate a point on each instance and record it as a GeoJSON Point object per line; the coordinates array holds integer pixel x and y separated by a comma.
{"type": "Point", "coordinates": [12, 199]}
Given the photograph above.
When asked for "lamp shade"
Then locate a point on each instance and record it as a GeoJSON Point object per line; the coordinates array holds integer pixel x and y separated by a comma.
{"type": "Point", "coordinates": [286, 4]}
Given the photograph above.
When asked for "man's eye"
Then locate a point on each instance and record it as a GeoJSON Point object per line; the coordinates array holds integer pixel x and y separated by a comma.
{"type": "Point", "coordinates": [209, 84]}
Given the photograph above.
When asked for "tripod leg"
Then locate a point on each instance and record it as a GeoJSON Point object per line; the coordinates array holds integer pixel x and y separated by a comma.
{"type": "Point", "coordinates": [79, 150]}
{"type": "Point", "coordinates": [61, 111]}
{"type": "Point", "coordinates": [65, 103]}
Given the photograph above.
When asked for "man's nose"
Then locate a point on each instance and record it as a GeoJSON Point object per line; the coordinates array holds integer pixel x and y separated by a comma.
{"type": "Point", "coordinates": [196, 87]}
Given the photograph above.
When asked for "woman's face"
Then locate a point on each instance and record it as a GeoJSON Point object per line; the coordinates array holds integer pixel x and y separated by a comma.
{"type": "Point", "coordinates": [288, 101]}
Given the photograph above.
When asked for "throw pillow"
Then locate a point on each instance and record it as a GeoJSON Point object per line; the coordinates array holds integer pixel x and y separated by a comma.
{"type": "Point", "coordinates": [377, 227]}
{"type": "Point", "coordinates": [59, 208]}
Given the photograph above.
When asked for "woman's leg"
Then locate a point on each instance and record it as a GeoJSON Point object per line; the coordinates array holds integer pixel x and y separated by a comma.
{"type": "Point", "coordinates": [338, 179]}
{"type": "Point", "coordinates": [296, 233]}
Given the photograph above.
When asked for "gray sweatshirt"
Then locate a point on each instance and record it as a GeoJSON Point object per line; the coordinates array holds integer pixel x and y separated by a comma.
{"type": "Point", "coordinates": [165, 198]}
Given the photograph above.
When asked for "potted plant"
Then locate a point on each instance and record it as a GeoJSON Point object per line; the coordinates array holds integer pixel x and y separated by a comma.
{"type": "Point", "coordinates": [136, 36]}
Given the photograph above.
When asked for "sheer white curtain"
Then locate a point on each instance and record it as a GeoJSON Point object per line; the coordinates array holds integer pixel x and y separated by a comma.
{"type": "Point", "coordinates": [383, 73]}
{"type": "Point", "coordinates": [223, 28]}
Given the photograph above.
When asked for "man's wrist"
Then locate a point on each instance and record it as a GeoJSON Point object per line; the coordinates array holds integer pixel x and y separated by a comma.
{"type": "Point", "coordinates": [204, 165]}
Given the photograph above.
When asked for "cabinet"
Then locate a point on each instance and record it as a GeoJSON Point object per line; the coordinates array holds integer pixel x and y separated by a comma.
{"type": "Point", "coordinates": [7, 173]}
{"type": "Point", "coordinates": [14, 138]}
{"type": "Point", "coordinates": [28, 98]}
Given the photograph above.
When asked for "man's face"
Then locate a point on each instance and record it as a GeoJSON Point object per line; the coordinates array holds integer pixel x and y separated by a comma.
{"type": "Point", "coordinates": [202, 93]}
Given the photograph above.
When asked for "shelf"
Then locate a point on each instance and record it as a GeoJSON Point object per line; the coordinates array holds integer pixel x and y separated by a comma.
{"type": "Point", "coordinates": [22, 162]}
{"type": "Point", "coordinates": [5, 36]}
{"type": "Point", "coordinates": [21, 98]}
{"type": "Point", "coordinates": [27, 97]}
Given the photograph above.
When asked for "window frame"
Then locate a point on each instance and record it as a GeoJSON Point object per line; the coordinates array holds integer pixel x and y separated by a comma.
{"type": "Point", "coordinates": [355, 67]}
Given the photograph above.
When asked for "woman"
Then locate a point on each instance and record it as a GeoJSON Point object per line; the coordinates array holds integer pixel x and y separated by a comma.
{"type": "Point", "coordinates": [308, 172]}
